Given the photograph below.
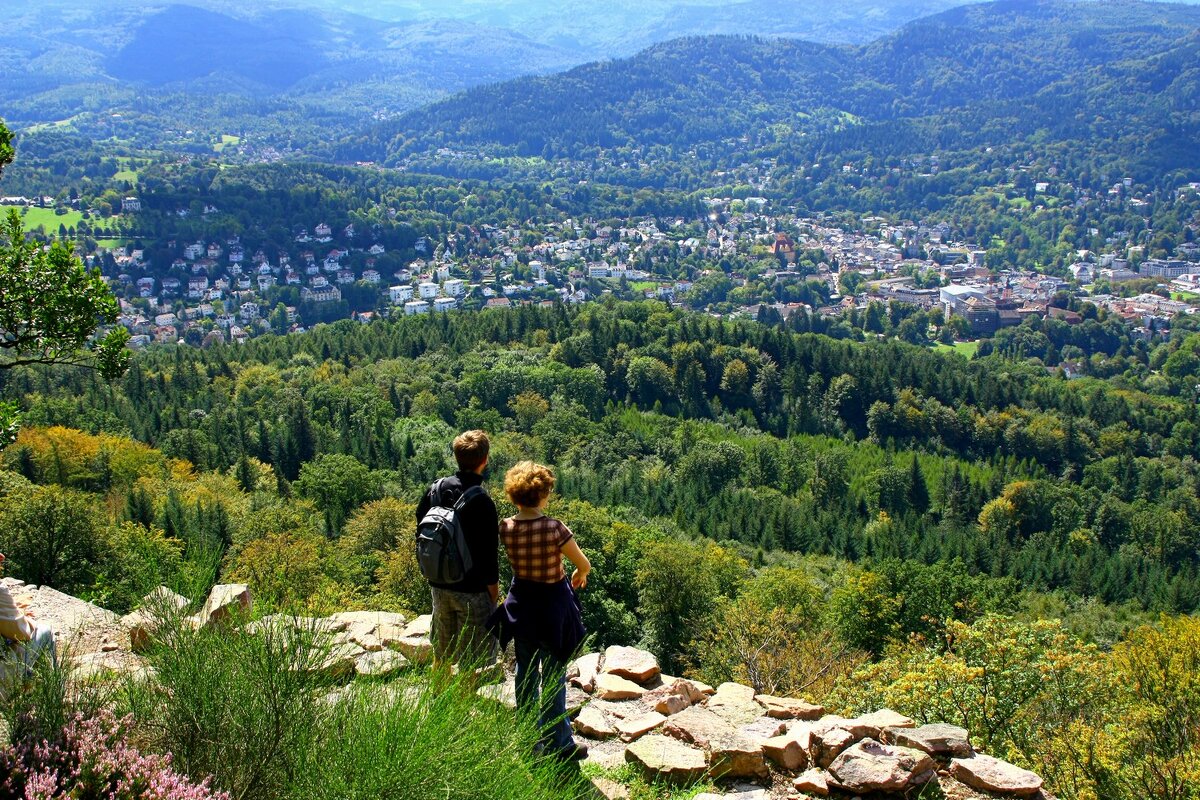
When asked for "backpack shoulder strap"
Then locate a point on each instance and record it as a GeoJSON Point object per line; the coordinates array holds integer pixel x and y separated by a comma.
{"type": "Point", "coordinates": [435, 492]}
{"type": "Point", "coordinates": [468, 496]}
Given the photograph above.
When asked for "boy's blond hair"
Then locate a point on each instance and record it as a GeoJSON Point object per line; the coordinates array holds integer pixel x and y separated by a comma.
{"type": "Point", "coordinates": [527, 484]}
{"type": "Point", "coordinates": [471, 450]}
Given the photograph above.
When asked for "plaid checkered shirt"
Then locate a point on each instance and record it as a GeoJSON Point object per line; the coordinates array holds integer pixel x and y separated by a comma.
{"type": "Point", "coordinates": [534, 547]}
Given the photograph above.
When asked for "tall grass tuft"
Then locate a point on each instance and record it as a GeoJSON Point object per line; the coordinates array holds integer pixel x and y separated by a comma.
{"type": "Point", "coordinates": [258, 710]}
{"type": "Point", "coordinates": [241, 707]}
{"type": "Point", "coordinates": [393, 742]}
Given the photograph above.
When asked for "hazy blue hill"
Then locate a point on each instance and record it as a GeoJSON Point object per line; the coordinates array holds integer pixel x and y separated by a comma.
{"type": "Point", "coordinates": [184, 43]}
{"type": "Point", "coordinates": [971, 74]}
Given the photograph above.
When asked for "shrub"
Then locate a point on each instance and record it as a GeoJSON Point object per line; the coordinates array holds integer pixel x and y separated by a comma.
{"type": "Point", "coordinates": [93, 758]}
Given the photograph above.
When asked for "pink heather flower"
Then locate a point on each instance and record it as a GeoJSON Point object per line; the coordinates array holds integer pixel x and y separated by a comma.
{"type": "Point", "coordinates": [98, 761]}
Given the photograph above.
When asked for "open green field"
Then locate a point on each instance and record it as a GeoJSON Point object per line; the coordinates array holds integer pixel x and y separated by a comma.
{"type": "Point", "coordinates": [964, 349]}
{"type": "Point", "coordinates": [1185, 297]}
{"type": "Point", "coordinates": [45, 217]}
{"type": "Point", "coordinates": [227, 140]}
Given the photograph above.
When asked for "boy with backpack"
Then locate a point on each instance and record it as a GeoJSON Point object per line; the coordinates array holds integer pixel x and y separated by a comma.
{"type": "Point", "coordinates": [458, 542]}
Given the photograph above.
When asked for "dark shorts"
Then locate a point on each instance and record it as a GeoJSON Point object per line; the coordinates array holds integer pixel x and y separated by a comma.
{"type": "Point", "coordinates": [459, 632]}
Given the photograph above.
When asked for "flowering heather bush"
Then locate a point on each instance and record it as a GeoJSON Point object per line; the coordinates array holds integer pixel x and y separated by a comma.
{"type": "Point", "coordinates": [93, 759]}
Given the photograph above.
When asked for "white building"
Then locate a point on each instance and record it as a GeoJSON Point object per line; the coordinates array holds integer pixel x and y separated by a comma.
{"type": "Point", "coordinates": [428, 290]}
{"type": "Point", "coordinates": [454, 287]}
{"type": "Point", "coordinates": [400, 294]}
{"type": "Point", "coordinates": [416, 307]}
{"type": "Point", "coordinates": [444, 303]}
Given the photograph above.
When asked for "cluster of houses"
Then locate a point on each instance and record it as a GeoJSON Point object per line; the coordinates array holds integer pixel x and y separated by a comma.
{"type": "Point", "coordinates": [221, 290]}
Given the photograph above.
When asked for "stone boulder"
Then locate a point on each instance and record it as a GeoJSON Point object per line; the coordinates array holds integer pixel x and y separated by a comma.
{"type": "Point", "coordinates": [993, 775]}
{"type": "Point", "coordinates": [871, 726]}
{"type": "Point", "coordinates": [813, 781]}
{"type": "Point", "coordinates": [731, 753]}
{"type": "Point", "coordinates": [667, 759]}
{"type": "Point", "coordinates": [630, 663]}
{"type": "Point", "coordinates": [786, 752]}
{"type": "Point", "coordinates": [670, 704]}
{"type": "Point", "coordinates": [585, 668]}
{"type": "Point", "coordinates": [614, 687]}
{"type": "Point", "coordinates": [789, 708]}
{"type": "Point", "coordinates": [827, 743]}
{"type": "Point", "coordinates": [873, 767]}
{"type": "Point", "coordinates": [156, 609]}
{"type": "Point", "coordinates": [225, 601]}
{"type": "Point", "coordinates": [379, 663]}
{"type": "Point", "coordinates": [939, 740]}
{"type": "Point", "coordinates": [594, 724]}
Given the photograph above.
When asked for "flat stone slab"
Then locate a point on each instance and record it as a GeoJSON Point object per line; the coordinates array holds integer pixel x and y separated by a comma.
{"type": "Point", "coordinates": [380, 663]}
{"type": "Point", "coordinates": [614, 687]}
{"type": "Point", "coordinates": [636, 727]}
{"type": "Point", "coordinates": [503, 693]}
{"type": "Point", "coordinates": [420, 626]}
{"type": "Point", "coordinates": [789, 707]}
{"type": "Point", "coordinates": [371, 618]}
{"type": "Point", "coordinates": [873, 767]}
{"type": "Point", "coordinates": [938, 740]}
{"type": "Point", "coordinates": [731, 752]}
{"type": "Point", "coordinates": [667, 759]}
{"type": "Point", "coordinates": [630, 663]}
{"type": "Point", "coordinates": [415, 648]}
{"type": "Point", "coordinates": [594, 724]}
{"type": "Point", "coordinates": [993, 775]}
{"type": "Point", "coordinates": [873, 724]}
{"type": "Point", "coordinates": [735, 703]}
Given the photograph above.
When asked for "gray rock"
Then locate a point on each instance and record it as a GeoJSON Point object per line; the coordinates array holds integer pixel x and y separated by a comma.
{"type": "Point", "coordinates": [993, 775]}
{"type": "Point", "coordinates": [380, 663]}
{"type": "Point", "coordinates": [735, 703]}
{"type": "Point", "coordinates": [813, 781]}
{"type": "Point", "coordinates": [938, 740]}
{"type": "Point", "coordinates": [586, 667]}
{"type": "Point", "coordinates": [224, 602]}
{"type": "Point", "coordinates": [873, 767]}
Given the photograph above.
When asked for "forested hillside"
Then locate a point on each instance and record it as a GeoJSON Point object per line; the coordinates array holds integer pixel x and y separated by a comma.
{"type": "Point", "coordinates": [866, 524]}
{"type": "Point", "coordinates": [1113, 78]}
{"type": "Point", "coordinates": [774, 439]}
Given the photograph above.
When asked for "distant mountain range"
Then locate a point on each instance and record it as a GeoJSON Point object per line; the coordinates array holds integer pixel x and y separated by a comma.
{"type": "Point", "coordinates": [978, 74]}
{"type": "Point", "coordinates": [361, 57]}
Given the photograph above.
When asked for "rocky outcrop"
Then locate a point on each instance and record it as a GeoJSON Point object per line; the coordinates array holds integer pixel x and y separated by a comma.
{"type": "Point", "coordinates": [674, 729]}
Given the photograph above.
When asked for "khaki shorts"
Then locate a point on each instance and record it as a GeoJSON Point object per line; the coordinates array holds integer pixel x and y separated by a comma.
{"type": "Point", "coordinates": [459, 632]}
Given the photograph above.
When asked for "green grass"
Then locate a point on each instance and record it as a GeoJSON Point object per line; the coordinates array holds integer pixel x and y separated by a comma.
{"type": "Point", "coordinates": [227, 140]}
{"type": "Point", "coordinates": [1185, 297]}
{"type": "Point", "coordinates": [965, 349]}
{"type": "Point", "coordinates": [642, 286]}
{"type": "Point", "coordinates": [45, 217]}
{"type": "Point", "coordinates": [641, 789]}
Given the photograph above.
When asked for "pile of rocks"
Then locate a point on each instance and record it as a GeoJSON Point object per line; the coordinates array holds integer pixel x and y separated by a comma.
{"type": "Point", "coordinates": [674, 729]}
{"type": "Point", "coordinates": [681, 731]}
{"type": "Point", "coordinates": [358, 643]}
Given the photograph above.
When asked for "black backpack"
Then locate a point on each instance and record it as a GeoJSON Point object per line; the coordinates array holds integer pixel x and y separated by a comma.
{"type": "Point", "coordinates": [442, 552]}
